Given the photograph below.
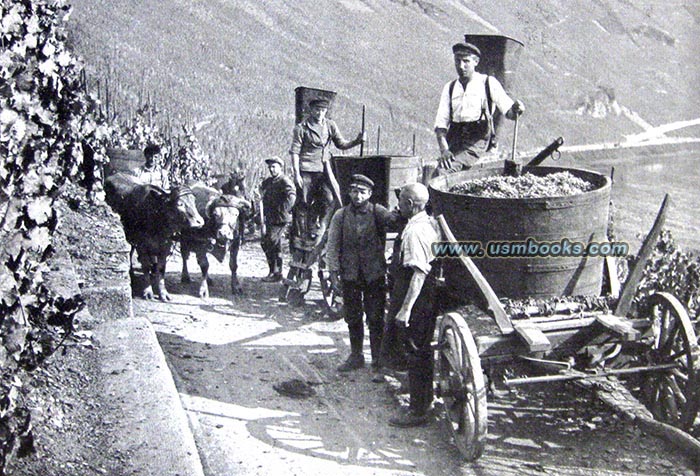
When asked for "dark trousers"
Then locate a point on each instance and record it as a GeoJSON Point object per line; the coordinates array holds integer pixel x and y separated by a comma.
{"type": "Point", "coordinates": [416, 338]}
{"type": "Point", "coordinates": [314, 201]}
{"type": "Point", "coordinates": [419, 351]}
{"type": "Point", "coordinates": [271, 244]}
{"type": "Point", "coordinates": [368, 298]}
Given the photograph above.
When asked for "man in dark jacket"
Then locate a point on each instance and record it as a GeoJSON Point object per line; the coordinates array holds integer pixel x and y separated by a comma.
{"type": "Point", "coordinates": [357, 265]}
{"type": "Point", "coordinates": [278, 196]}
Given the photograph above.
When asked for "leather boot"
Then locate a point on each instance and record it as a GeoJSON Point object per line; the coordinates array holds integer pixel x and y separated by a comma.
{"type": "Point", "coordinates": [278, 266]}
{"type": "Point", "coordinates": [375, 345]}
{"type": "Point", "coordinates": [356, 360]}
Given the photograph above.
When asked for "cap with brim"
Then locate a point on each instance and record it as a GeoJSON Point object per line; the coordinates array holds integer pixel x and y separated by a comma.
{"type": "Point", "coordinates": [319, 103]}
{"type": "Point", "coordinates": [274, 160]}
{"type": "Point", "coordinates": [466, 48]}
{"type": "Point", "coordinates": [359, 179]}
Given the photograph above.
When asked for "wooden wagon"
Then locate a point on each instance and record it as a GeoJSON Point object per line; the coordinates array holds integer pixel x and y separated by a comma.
{"type": "Point", "coordinates": [655, 355]}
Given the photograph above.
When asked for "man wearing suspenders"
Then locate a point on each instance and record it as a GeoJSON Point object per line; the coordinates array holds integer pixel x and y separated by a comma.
{"type": "Point", "coordinates": [464, 121]}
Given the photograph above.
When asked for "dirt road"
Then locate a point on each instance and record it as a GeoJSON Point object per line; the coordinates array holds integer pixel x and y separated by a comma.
{"type": "Point", "coordinates": [226, 355]}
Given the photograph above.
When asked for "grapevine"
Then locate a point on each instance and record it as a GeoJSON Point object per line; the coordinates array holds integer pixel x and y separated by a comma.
{"type": "Point", "coordinates": [49, 125]}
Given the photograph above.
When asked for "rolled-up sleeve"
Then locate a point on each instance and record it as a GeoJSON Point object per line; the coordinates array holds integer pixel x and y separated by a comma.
{"type": "Point", "coordinates": [442, 117]}
{"type": "Point", "coordinates": [338, 139]}
{"type": "Point", "coordinates": [499, 96]}
{"type": "Point", "coordinates": [296, 140]}
{"type": "Point", "coordinates": [416, 245]}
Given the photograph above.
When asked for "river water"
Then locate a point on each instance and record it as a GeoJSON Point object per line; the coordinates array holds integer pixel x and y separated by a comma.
{"type": "Point", "coordinates": [640, 182]}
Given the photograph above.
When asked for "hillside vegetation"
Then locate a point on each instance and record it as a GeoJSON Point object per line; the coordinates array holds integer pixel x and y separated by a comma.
{"type": "Point", "coordinates": [591, 71]}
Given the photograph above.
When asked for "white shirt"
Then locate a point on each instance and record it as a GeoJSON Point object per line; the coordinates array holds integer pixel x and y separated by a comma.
{"type": "Point", "coordinates": [416, 241]}
{"type": "Point", "coordinates": [467, 102]}
{"type": "Point", "coordinates": [153, 176]}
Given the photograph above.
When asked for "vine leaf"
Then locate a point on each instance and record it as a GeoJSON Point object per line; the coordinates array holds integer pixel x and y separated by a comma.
{"type": "Point", "coordinates": [40, 210]}
{"type": "Point", "coordinates": [8, 297]}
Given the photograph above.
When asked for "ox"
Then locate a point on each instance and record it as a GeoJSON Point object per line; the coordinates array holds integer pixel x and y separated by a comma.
{"type": "Point", "coordinates": [150, 217]}
{"type": "Point", "coordinates": [222, 231]}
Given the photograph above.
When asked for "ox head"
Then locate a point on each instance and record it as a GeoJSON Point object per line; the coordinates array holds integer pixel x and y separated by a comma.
{"type": "Point", "coordinates": [182, 200]}
{"type": "Point", "coordinates": [225, 214]}
{"type": "Point", "coordinates": [235, 184]}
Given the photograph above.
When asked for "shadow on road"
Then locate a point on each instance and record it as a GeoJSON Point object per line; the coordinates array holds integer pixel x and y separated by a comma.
{"type": "Point", "coordinates": [226, 353]}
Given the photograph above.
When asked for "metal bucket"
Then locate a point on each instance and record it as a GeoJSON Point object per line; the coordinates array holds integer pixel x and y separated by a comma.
{"type": "Point", "coordinates": [387, 172]}
{"type": "Point", "coordinates": [579, 218]}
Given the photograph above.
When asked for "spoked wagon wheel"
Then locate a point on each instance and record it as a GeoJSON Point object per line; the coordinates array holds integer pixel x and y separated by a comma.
{"type": "Point", "coordinates": [672, 395]}
{"type": "Point", "coordinates": [461, 386]}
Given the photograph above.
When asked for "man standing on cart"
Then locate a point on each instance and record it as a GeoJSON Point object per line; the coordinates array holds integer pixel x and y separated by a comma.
{"type": "Point", "coordinates": [357, 265]}
{"type": "Point", "coordinates": [313, 175]}
{"type": "Point", "coordinates": [464, 125]}
{"type": "Point", "coordinates": [413, 301]}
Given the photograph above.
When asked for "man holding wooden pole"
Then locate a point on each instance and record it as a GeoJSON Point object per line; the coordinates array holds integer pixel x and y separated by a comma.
{"type": "Point", "coordinates": [464, 125]}
{"type": "Point", "coordinates": [313, 175]}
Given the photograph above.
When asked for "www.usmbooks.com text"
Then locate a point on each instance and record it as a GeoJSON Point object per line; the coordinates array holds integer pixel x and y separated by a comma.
{"type": "Point", "coordinates": [529, 248]}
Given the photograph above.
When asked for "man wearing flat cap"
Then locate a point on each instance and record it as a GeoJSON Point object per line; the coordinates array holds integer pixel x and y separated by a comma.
{"type": "Point", "coordinates": [313, 175]}
{"type": "Point", "coordinates": [357, 266]}
{"type": "Point", "coordinates": [464, 121]}
{"type": "Point", "coordinates": [278, 197]}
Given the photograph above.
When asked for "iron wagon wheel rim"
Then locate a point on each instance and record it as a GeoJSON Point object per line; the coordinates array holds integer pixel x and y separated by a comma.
{"type": "Point", "coordinates": [672, 396]}
{"type": "Point", "coordinates": [462, 387]}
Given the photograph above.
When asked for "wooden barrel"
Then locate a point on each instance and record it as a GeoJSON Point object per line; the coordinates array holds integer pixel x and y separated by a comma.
{"type": "Point", "coordinates": [387, 172]}
{"type": "Point", "coordinates": [581, 218]}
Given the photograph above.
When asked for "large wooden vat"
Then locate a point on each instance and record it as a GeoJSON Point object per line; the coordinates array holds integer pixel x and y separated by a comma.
{"type": "Point", "coordinates": [581, 218]}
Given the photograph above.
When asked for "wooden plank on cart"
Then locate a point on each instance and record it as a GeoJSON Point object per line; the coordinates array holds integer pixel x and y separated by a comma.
{"type": "Point", "coordinates": [618, 326]}
{"type": "Point", "coordinates": [534, 338]}
{"type": "Point", "coordinates": [499, 313]}
{"type": "Point", "coordinates": [611, 273]}
{"type": "Point", "coordinates": [635, 275]}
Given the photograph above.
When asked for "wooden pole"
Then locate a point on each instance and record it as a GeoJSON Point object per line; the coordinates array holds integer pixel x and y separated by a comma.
{"type": "Point", "coordinates": [629, 289]}
{"type": "Point", "coordinates": [379, 136]}
{"type": "Point", "coordinates": [413, 149]}
{"type": "Point", "coordinates": [362, 144]}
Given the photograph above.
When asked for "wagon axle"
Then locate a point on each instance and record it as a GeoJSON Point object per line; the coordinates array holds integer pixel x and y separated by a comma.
{"type": "Point", "coordinates": [576, 375]}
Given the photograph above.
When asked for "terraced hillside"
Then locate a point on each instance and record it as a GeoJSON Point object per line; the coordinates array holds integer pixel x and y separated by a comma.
{"type": "Point", "coordinates": [591, 71]}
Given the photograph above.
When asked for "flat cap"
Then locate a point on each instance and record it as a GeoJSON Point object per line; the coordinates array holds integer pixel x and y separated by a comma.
{"type": "Point", "coordinates": [466, 48]}
{"type": "Point", "coordinates": [319, 102]}
{"type": "Point", "coordinates": [359, 179]}
{"type": "Point", "coordinates": [274, 160]}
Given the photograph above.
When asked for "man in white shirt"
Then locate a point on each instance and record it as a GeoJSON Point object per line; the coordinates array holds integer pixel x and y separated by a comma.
{"type": "Point", "coordinates": [151, 172]}
{"type": "Point", "coordinates": [464, 121]}
{"type": "Point", "coordinates": [413, 301]}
